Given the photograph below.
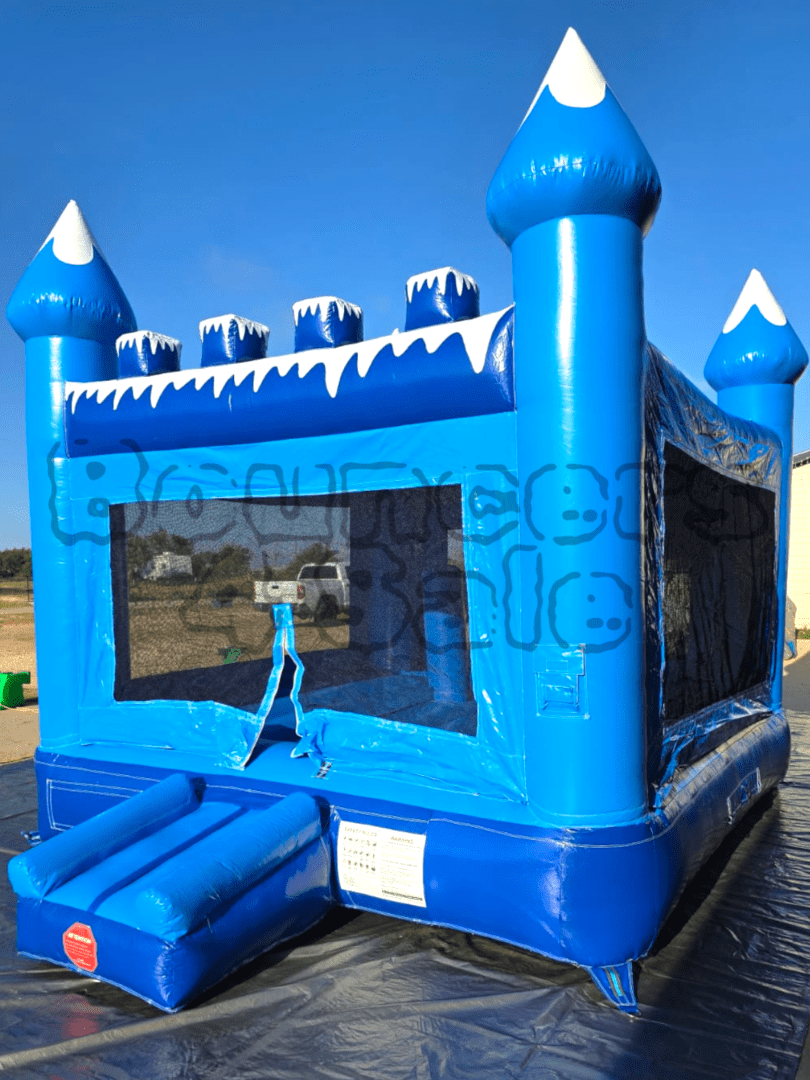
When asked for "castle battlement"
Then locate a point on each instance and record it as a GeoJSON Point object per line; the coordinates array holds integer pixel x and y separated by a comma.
{"type": "Point", "coordinates": [435, 373]}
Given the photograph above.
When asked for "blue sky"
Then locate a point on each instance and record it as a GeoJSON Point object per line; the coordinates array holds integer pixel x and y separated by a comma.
{"type": "Point", "coordinates": [241, 156]}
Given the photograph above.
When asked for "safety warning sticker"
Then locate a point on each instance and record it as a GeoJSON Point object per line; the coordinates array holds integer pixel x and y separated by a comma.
{"type": "Point", "coordinates": [80, 945]}
{"type": "Point", "coordinates": [382, 862]}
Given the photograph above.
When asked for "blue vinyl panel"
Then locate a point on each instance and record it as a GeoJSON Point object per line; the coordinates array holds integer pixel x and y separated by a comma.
{"type": "Point", "coordinates": [402, 457]}
{"type": "Point", "coordinates": [90, 888]}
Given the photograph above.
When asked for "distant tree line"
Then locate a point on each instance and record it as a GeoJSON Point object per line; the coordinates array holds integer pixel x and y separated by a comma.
{"type": "Point", "coordinates": [140, 549]}
{"type": "Point", "coordinates": [15, 563]}
{"type": "Point", "coordinates": [229, 561]}
{"type": "Point", "coordinates": [315, 553]}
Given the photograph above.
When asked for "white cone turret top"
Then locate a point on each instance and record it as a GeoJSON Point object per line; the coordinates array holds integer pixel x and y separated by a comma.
{"type": "Point", "coordinates": [573, 77]}
{"type": "Point", "coordinates": [72, 240]}
{"type": "Point", "coordinates": [66, 291]}
{"type": "Point", "coordinates": [756, 348]}
{"type": "Point", "coordinates": [755, 291]}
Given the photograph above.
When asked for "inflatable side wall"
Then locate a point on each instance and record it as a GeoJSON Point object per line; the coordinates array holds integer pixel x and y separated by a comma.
{"type": "Point", "coordinates": [478, 624]}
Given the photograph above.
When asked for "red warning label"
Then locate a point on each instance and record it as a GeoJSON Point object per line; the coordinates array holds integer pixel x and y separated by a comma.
{"type": "Point", "coordinates": [80, 946]}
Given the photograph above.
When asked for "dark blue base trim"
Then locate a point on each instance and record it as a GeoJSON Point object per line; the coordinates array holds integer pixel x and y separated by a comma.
{"type": "Point", "coordinates": [595, 897]}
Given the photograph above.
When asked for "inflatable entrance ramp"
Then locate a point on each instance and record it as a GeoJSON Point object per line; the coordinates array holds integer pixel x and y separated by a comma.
{"type": "Point", "coordinates": [168, 892]}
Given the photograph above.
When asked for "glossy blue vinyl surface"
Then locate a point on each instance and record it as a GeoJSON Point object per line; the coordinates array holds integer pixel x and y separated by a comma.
{"type": "Point", "coordinates": [390, 458]}
{"type": "Point", "coordinates": [565, 161]}
{"type": "Point", "coordinates": [593, 897]}
{"type": "Point", "coordinates": [432, 380]}
{"type": "Point", "coordinates": [54, 298]}
{"type": "Point", "coordinates": [39, 871]}
{"type": "Point", "coordinates": [440, 297]}
{"type": "Point", "coordinates": [327, 323]}
{"type": "Point", "coordinates": [143, 877]}
{"type": "Point", "coordinates": [754, 367]}
{"type": "Point", "coordinates": [146, 354]}
{"type": "Point", "coordinates": [229, 340]}
{"type": "Point", "coordinates": [496, 760]}
{"type": "Point", "coordinates": [48, 362]}
{"type": "Point", "coordinates": [587, 325]}
{"type": "Point", "coordinates": [678, 414]}
{"type": "Point", "coordinates": [172, 899]}
{"type": "Point", "coordinates": [169, 974]}
{"type": "Point", "coordinates": [91, 888]}
{"type": "Point", "coordinates": [756, 352]}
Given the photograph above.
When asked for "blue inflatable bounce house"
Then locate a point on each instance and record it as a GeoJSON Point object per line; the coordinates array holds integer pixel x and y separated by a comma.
{"type": "Point", "coordinates": [479, 624]}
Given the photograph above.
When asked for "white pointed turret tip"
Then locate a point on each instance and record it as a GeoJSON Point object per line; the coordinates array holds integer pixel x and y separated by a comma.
{"type": "Point", "coordinates": [755, 291]}
{"type": "Point", "coordinates": [72, 240]}
{"type": "Point", "coordinates": [573, 77]}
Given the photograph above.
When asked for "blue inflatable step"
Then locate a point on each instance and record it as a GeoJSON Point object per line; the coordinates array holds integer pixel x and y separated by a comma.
{"type": "Point", "coordinates": [168, 892]}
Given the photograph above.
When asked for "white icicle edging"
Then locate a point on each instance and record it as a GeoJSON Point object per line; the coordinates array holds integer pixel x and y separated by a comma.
{"type": "Point", "coordinates": [244, 326]}
{"type": "Point", "coordinates": [73, 242]}
{"type": "Point", "coordinates": [573, 77]}
{"type": "Point", "coordinates": [755, 292]}
{"type": "Point", "coordinates": [475, 333]}
{"type": "Point", "coordinates": [322, 304]}
{"type": "Point", "coordinates": [156, 341]}
{"type": "Point", "coordinates": [430, 277]}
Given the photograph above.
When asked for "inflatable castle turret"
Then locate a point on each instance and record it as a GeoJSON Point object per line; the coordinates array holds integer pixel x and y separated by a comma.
{"type": "Point", "coordinates": [754, 366]}
{"type": "Point", "coordinates": [573, 197]}
{"type": "Point", "coordinates": [478, 624]}
{"type": "Point", "coordinates": [69, 310]}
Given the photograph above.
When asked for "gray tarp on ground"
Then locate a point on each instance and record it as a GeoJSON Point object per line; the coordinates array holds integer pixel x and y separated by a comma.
{"type": "Point", "coordinates": [725, 993]}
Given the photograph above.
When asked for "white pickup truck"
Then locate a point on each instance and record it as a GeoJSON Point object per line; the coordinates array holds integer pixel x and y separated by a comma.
{"type": "Point", "coordinates": [320, 592]}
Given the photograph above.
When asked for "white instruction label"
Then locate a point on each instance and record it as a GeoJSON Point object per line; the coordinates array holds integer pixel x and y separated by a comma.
{"type": "Point", "coordinates": [381, 862]}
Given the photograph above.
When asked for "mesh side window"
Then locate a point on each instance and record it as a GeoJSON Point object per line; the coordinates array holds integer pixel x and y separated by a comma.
{"type": "Point", "coordinates": [719, 596]}
{"type": "Point", "coordinates": [376, 580]}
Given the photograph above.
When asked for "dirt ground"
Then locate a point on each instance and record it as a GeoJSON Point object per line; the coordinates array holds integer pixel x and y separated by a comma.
{"type": "Point", "coordinates": [171, 637]}
{"type": "Point", "coordinates": [19, 728]}
{"type": "Point", "coordinates": [160, 642]}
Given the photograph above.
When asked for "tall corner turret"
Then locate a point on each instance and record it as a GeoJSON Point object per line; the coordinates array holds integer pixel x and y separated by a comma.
{"type": "Point", "coordinates": [69, 309]}
{"type": "Point", "coordinates": [69, 291]}
{"type": "Point", "coordinates": [754, 366]}
{"type": "Point", "coordinates": [575, 152]}
{"type": "Point", "coordinates": [572, 198]}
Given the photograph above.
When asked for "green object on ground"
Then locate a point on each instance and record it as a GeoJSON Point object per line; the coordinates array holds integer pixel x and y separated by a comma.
{"type": "Point", "coordinates": [11, 688]}
{"type": "Point", "coordinates": [231, 655]}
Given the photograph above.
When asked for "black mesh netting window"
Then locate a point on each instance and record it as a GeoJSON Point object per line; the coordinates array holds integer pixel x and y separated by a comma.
{"type": "Point", "coordinates": [375, 580]}
{"type": "Point", "coordinates": [719, 598]}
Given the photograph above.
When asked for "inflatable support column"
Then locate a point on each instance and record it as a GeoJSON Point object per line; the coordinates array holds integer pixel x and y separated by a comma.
{"type": "Point", "coordinates": [573, 197]}
{"type": "Point", "coordinates": [754, 366]}
{"type": "Point", "coordinates": [69, 309]}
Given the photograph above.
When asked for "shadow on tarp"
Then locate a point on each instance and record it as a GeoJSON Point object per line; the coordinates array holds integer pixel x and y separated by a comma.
{"type": "Point", "coordinates": [725, 993]}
